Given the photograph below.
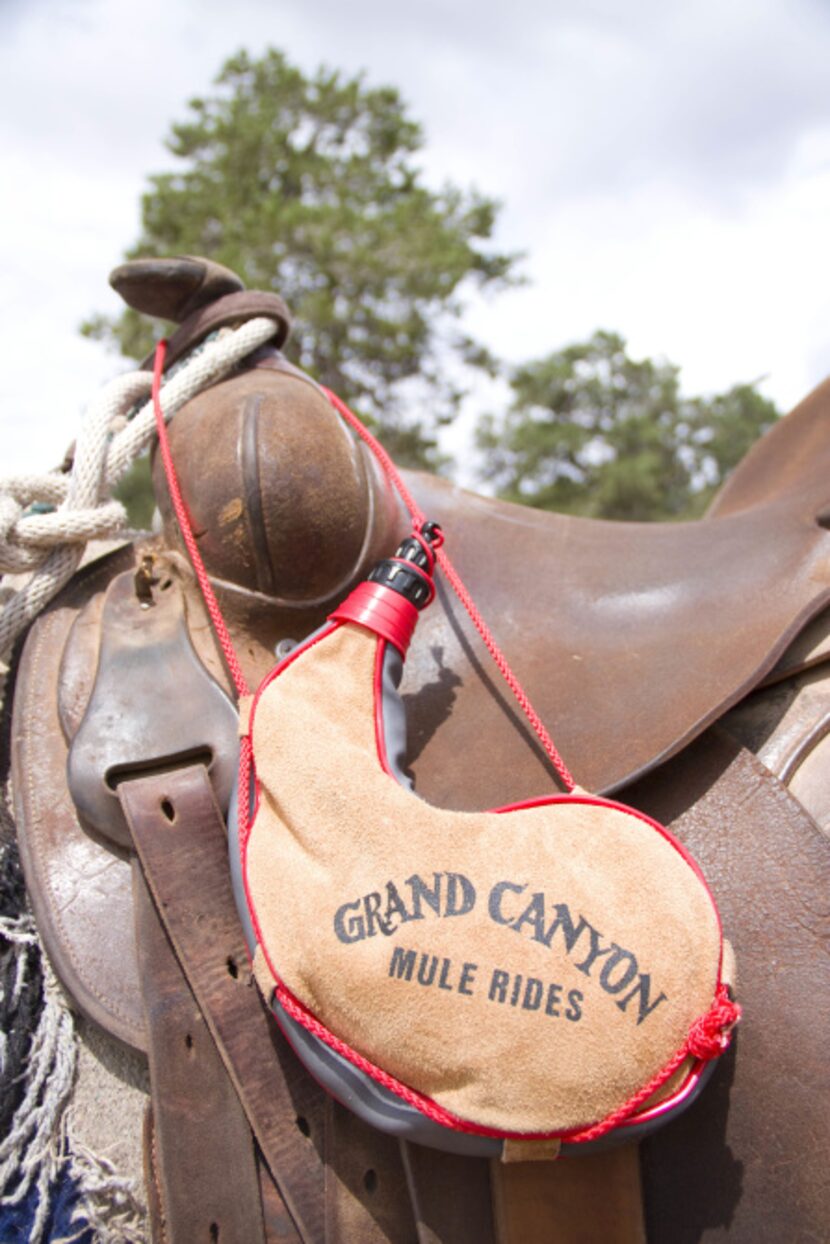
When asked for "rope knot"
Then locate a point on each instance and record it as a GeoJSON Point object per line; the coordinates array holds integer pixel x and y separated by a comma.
{"type": "Point", "coordinates": [710, 1035]}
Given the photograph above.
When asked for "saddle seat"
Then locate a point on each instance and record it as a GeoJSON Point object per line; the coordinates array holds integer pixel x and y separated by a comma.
{"type": "Point", "coordinates": [630, 638]}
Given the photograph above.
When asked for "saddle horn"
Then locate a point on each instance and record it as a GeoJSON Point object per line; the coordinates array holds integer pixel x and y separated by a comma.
{"type": "Point", "coordinates": [172, 289]}
{"type": "Point", "coordinates": [285, 528]}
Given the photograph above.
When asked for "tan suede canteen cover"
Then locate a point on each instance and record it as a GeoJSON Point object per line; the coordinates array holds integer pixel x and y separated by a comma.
{"type": "Point", "coordinates": [527, 971]}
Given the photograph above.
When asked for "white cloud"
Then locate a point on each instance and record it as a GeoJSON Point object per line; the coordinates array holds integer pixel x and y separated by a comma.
{"type": "Point", "coordinates": [665, 167]}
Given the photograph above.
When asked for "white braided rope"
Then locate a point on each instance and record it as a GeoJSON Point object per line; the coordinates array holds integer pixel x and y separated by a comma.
{"type": "Point", "coordinates": [51, 545]}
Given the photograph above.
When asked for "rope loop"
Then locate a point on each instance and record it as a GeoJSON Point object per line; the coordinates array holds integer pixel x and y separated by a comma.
{"type": "Point", "coordinates": [77, 526]}
{"type": "Point", "coordinates": [18, 554]}
{"type": "Point", "coordinates": [433, 537]}
{"type": "Point", "coordinates": [49, 547]}
{"type": "Point", "coordinates": [28, 490]}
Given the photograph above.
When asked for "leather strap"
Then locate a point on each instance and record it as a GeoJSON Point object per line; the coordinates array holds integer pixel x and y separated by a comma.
{"type": "Point", "coordinates": [152, 1177]}
{"type": "Point", "coordinates": [202, 1163]}
{"type": "Point", "coordinates": [588, 1199]}
{"type": "Point", "coordinates": [279, 1229]}
{"type": "Point", "coordinates": [174, 817]}
{"type": "Point", "coordinates": [342, 1180]}
{"type": "Point", "coordinates": [450, 1196]}
{"type": "Point", "coordinates": [279, 1226]}
{"type": "Point", "coordinates": [742, 1161]}
{"type": "Point", "coordinates": [226, 312]}
{"type": "Point", "coordinates": [366, 1200]}
{"type": "Point", "coordinates": [175, 814]}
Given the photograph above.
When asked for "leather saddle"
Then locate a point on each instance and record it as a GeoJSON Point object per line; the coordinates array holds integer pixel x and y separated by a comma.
{"type": "Point", "coordinates": [633, 641]}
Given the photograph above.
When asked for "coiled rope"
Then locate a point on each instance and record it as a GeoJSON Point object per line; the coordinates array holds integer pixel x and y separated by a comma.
{"type": "Point", "coordinates": [49, 547]}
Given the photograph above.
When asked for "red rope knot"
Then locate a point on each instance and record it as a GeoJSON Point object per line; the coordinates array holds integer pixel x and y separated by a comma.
{"type": "Point", "coordinates": [710, 1035]}
{"type": "Point", "coordinates": [429, 530]}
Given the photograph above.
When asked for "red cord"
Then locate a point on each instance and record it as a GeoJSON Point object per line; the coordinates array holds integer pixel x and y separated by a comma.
{"type": "Point", "coordinates": [186, 528]}
{"type": "Point", "coordinates": [418, 520]}
{"type": "Point", "coordinates": [709, 1035]}
{"type": "Point", "coordinates": [717, 1023]}
{"type": "Point", "coordinates": [537, 725]}
{"type": "Point", "coordinates": [458, 586]}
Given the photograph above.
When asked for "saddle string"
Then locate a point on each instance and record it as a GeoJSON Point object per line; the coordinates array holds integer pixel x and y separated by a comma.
{"type": "Point", "coordinates": [186, 528]}
{"type": "Point", "coordinates": [208, 595]}
{"type": "Point", "coordinates": [460, 589]}
{"type": "Point", "coordinates": [419, 520]}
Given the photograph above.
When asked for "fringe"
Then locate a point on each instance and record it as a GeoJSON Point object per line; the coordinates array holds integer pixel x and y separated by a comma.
{"type": "Point", "coordinates": [112, 1206]}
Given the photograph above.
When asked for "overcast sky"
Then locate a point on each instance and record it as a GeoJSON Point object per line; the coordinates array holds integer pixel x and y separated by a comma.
{"type": "Point", "coordinates": [664, 166]}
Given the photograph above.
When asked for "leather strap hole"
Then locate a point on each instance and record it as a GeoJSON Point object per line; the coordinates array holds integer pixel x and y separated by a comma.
{"type": "Point", "coordinates": [370, 1180]}
{"type": "Point", "coordinates": [168, 810]}
{"type": "Point", "coordinates": [214, 1232]}
{"type": "Point", "coordinates": [116, 774]}
{"type": "Point", "coordinates": [303, 1125]}
{"type": "Point", "coordinates": [233, 969]}
{"type": "Point", "coordinates": [188, 1041]}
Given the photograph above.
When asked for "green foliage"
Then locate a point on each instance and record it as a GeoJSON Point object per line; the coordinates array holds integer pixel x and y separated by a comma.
{"type": "Point", "coordinates": [591, 431]}
{"type": "Point", "coordinates": [308, 186]}
{"type": "Point", "coordinates": [135, 491]}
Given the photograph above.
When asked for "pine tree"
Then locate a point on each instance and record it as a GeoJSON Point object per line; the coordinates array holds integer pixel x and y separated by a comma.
{"type": "Point", "coordinates": [309, 186]}
{"type": "Point", "coordinates": [591, 431]}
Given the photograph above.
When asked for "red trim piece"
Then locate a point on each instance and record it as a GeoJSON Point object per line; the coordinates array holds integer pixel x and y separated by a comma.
{"type": "Point", "coordinates": [186, 528]}
{"type": "Point", "coordinates": [598, 801]}
{"type": "Point", "coordinates": [668, 1104]}
{"type": "Point", "coordinates": [246, 774]}
{"type": "Point", "coordinates": [458, 586]}
{"type": "Point", "coordinates": [380, 733]}
{"type": "Point", "coordinates": [247, 763]}
{"type": "Point", "coordinates": [379, 609]}
{"type": "Point", "coordinates": [427, 1106]}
